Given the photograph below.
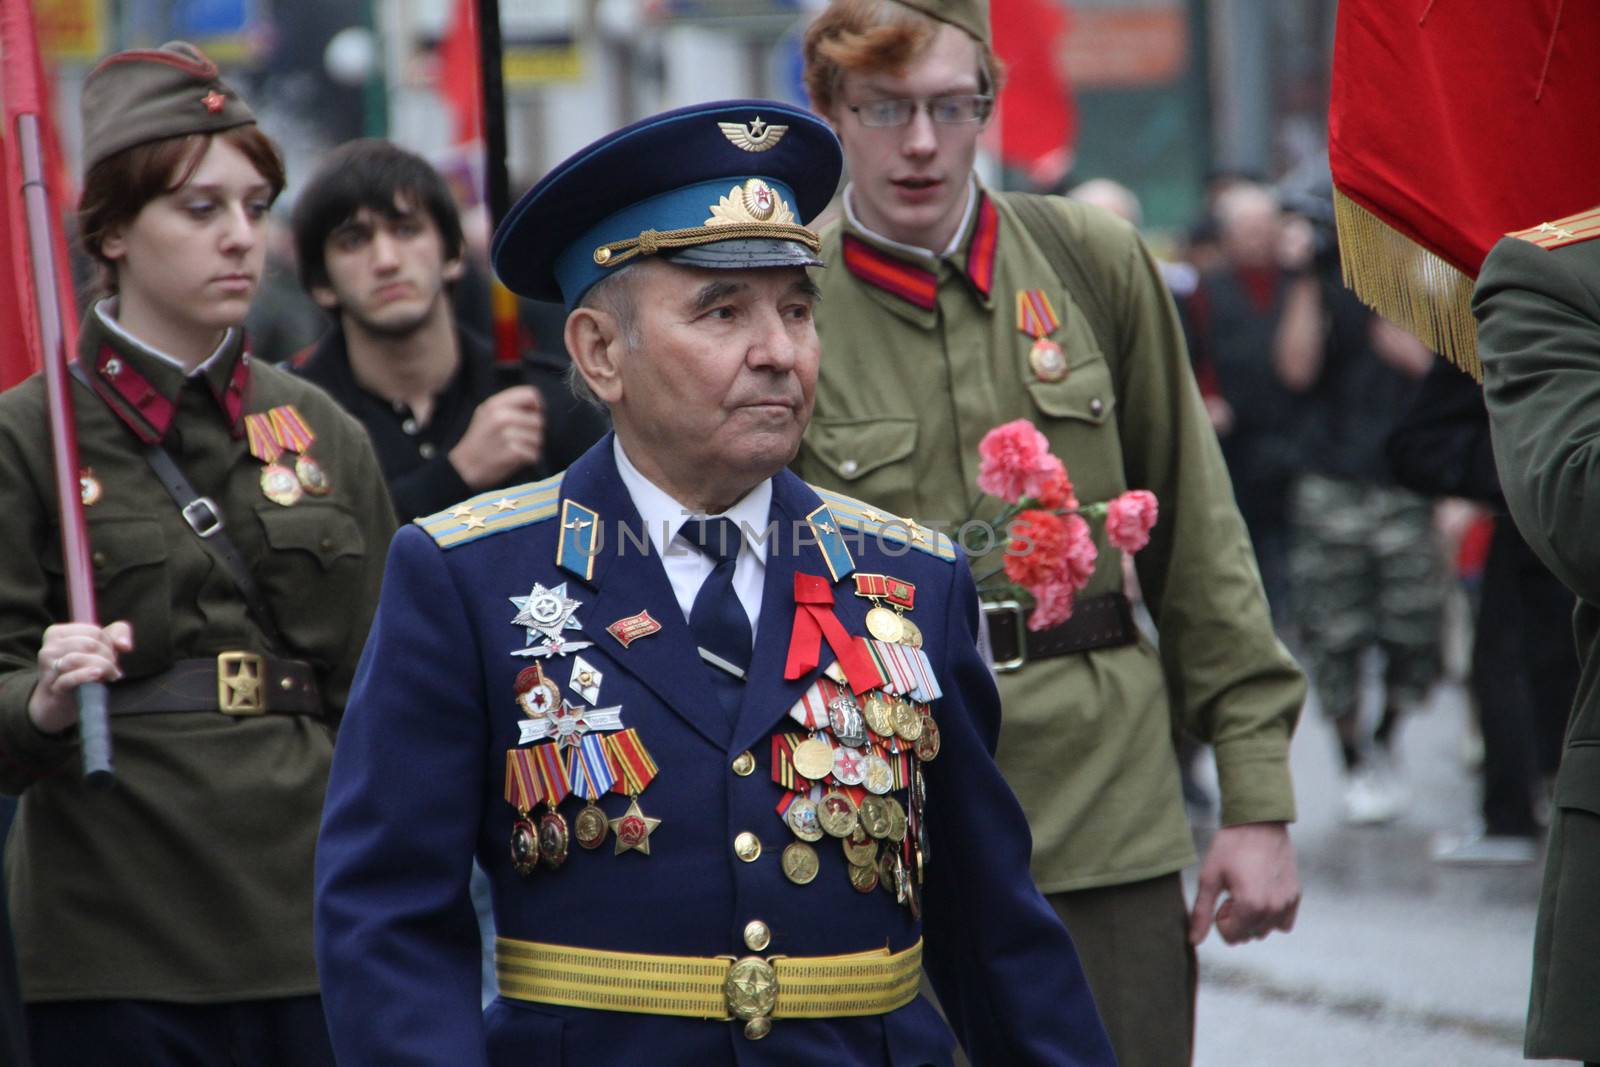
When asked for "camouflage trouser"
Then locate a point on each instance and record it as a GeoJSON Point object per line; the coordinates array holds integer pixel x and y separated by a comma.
{"type": "Point", "coordinates": [1366, 572]}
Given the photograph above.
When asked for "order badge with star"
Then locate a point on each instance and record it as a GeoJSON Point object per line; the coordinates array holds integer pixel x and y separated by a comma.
{"type": "Point", "coordinates": [546, 613]}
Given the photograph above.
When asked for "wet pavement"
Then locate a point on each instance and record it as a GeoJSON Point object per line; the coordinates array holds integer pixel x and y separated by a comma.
{"type": "Point", "coordinates": [1395, 960]}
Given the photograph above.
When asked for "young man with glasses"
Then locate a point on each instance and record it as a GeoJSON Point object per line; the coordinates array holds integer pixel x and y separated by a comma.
{"type": "Point", "coordinates": [957, 309]}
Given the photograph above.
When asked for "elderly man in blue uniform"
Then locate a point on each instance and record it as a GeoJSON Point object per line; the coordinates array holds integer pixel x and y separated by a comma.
{"type": "Point", "coordinates": [721, 742]}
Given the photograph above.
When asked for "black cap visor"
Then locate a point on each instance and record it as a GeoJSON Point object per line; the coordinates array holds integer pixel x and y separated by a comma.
{"type": "Point", "coordinates": [745, 253]}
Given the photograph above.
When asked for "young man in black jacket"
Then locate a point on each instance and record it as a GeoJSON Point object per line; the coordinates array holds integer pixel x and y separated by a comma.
{"type": "Point", "coordinates": [380, 245]}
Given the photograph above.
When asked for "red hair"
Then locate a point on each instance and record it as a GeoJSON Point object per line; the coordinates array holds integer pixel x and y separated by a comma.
{"type": "Point", "coordinates": [871, 37]}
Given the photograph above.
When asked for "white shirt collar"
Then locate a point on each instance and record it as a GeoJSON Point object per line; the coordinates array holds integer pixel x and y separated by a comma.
{"type": "Point", "coordinates": [106, 309]}
{"type": "Point", "coordinates": [663, 516]}
{"type": "Point", "coordinates": [955, 240]}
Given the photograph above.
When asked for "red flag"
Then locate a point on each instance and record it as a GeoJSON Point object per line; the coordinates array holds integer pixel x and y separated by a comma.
{"type": "Point", "coordinates": [1038, 119]}
{"type": "Point", "coordinates": [1452, 124]}
{"type": "Point", "coordinates": [25, 90]}
{"type": "Point", "coordinates": [459, 80]}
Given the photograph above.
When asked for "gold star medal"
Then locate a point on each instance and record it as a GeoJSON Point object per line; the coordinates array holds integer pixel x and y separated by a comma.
{"type": "Point", "coordinates": [633, 829]}
{"type": "Point", "coordinates": [635, 769]}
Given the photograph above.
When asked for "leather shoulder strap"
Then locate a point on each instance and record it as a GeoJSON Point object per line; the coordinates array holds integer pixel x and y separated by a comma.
{"type": "Point", "coordinates": [204, 517]}
{"type": "Point", "coordinates": [1043, 217]}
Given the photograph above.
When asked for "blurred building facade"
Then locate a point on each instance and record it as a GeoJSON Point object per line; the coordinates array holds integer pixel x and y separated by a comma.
{"type": "Point", "coordinates": [1166, 93]}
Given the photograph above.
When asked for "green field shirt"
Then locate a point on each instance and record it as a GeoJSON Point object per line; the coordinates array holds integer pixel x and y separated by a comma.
{"type": "Point", "coordinates": [190, 880]}
{"type": "Point", "coordinates": [921, 357]}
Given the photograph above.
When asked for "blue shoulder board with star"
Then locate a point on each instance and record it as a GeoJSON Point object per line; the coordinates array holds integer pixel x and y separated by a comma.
{"type": "Point", "coordinates": [494, 512]}
{"type": "Point", "coordinates": [858, 515]}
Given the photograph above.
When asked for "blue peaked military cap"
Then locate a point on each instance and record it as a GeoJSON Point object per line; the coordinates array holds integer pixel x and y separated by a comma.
{"type": "Point", "coordinates": [724, 185]}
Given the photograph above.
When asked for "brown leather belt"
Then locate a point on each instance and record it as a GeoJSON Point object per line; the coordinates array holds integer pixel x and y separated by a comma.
{"type": "Point", "coordinates": [1104, 621]}
{"type": "Point", "coordinates": [230, 683]}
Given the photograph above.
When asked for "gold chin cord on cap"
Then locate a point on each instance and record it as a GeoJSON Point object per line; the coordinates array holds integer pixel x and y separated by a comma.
{"type": "Point", "coordinates": [752, 208]}
{"type": "Point", "coordinates": [650, 242]}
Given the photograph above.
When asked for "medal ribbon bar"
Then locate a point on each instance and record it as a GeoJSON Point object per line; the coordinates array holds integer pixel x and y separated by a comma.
{"type": "Point", "coordinates": [631, 761]}
{"type": "Point", "coordinates": [550, 774]}
{"type": "Point", "coordinates": [589, 768]}
{"type": "Point", "coordinates": [523, 787]}
{"type": "Point", "coordinates": [290, 429]}
{"type": "Point", "coordinates": [1035, 316]}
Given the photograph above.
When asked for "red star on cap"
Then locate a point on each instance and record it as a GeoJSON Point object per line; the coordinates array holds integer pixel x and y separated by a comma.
{"type": "Point", "coordinates": [214, 101]}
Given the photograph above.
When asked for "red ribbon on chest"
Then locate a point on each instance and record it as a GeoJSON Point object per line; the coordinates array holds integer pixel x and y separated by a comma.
{"type": "Point", "coordinates": [813, 620]}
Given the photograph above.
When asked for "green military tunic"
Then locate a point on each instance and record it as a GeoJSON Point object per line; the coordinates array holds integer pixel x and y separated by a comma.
{"type": "Point", "coordinates": [191, 879]}
{"type": "Point", "coordinates": [921, 358]}
{"type": "Point", "coordinates": [1538, 312]}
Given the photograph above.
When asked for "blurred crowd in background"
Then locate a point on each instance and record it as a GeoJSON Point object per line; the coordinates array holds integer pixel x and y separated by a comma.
{"type": "Point", "coordinates": [1359, 461]}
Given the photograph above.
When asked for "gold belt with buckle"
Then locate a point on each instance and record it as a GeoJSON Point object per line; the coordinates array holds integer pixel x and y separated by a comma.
{"type": "Point", "coordinates": [753, 990]}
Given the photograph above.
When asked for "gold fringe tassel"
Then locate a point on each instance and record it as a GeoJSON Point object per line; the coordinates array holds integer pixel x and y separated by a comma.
{"type": "Point", "coordinates": [1408, 284]}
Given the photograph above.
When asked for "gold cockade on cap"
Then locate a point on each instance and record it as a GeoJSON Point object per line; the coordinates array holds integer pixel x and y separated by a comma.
{"type": "Point", "coordinates": [753, 136]}
{"type": "Point", "coordinates": [754, 201]}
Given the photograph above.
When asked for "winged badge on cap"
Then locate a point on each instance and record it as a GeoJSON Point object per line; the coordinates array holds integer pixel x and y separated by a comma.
{"type": "Point", "coordinates": [754, 136]}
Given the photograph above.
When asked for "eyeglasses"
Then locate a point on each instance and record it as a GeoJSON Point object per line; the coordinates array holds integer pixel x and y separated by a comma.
{"type": "Point", "coordinates": [962, 110]}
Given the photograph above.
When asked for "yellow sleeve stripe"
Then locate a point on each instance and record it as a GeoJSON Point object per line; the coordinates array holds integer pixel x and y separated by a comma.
{"type": "Point", "coordinates": [859, 515]}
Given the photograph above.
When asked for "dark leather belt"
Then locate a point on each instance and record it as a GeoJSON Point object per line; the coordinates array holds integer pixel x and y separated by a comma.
{"type": "Point", "coordinates": [1104, 621]}
{"type": "Point", "coordinates": [230, 683]}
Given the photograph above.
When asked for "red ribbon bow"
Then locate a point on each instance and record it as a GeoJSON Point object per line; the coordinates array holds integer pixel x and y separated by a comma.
{"type": "Point", "coordinates": [813, 620]}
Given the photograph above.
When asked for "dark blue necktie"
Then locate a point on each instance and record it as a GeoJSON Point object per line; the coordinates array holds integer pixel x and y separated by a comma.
{"type": "Point", "coordinates": [717, 618]}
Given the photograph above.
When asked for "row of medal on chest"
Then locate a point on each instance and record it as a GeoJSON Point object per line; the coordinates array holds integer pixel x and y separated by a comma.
{"type": "Point", "coordinates": [883, 843]}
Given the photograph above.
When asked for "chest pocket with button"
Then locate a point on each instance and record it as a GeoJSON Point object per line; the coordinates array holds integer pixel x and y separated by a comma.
{"type": "Point", "coordinates": [866, 454]}
{"type": "Point", "coordinates": [129, 558]}
{"type": "Point", "coordinates": [313, 558]}
{"type": "Point", "coordinates": [1077, 415]}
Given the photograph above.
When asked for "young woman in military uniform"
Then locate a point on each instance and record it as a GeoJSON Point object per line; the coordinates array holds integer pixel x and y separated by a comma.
{"type": "Point", "coordinates": [237, 523]}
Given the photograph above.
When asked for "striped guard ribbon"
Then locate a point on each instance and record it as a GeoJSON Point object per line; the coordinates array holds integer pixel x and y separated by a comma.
{"type": "Point", "coordinates": [783, 772]}
{"type": "Point", "coordinates": [589, 769]}
{"type": "Point", "coordinates": [900, 766]}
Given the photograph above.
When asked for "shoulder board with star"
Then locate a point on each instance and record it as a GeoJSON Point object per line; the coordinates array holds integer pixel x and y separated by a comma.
{"type": "Point", "coordinates": [1573, 229]}
{"type": "Point", "coordinates": [856, 514]}
{"type": "Point", "coordinates": [494, 512]}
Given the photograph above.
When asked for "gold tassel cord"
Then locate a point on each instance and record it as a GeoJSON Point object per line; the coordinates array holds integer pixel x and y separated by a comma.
{"type": "Point", "coordinates": [1407, 284]}
{"type": "Point", "coordinates": [650, 242]}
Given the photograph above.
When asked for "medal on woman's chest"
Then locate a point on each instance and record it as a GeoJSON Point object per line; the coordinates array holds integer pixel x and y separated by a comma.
{"type": "Point", "coordinates": [270, 435]}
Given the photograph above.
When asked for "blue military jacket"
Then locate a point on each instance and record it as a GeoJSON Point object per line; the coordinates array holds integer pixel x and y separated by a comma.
{"type": "Point", "coordinates": [418, 791]}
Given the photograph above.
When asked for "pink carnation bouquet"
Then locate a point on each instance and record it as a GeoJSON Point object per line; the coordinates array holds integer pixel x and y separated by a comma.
{"type": "Point", "coordinates": [1050, 551]}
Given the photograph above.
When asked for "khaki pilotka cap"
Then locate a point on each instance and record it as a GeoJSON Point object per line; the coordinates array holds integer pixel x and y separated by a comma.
{"type": "Point", "coordinates": [133, 98]}
{"type": "Point", "coordinates": [970, 16]}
